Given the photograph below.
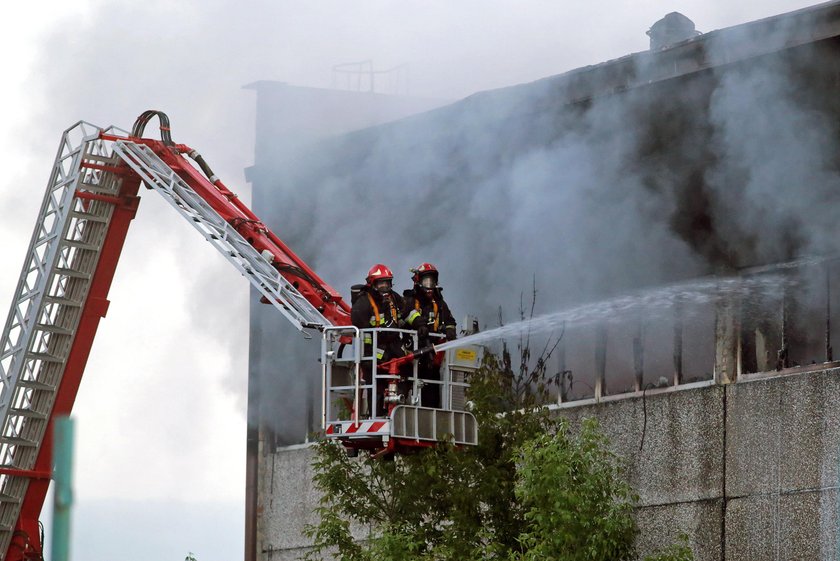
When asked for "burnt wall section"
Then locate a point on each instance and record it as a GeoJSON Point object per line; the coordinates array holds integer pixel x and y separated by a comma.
{"type": "Point", "coordinates": [748, 471]}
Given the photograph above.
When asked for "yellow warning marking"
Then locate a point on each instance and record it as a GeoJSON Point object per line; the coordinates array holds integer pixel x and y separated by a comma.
{"type": "Point", "coordinates": [465, 354]}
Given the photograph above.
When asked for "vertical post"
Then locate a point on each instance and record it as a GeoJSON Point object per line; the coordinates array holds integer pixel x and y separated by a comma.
{"type": "Point", "coordinates": [324, 391]}
{"type": "Point", "coordinates": [727, 332]}
{"type": "Point", "coordinates": [601, 361]}
{"type": "Point", "coordinates": [63, 478]}
{"type": "Point", "coordinates": [563, 394]}
{"type": "Point", "coordinates": [829, 352]}
{"type": "Point", "coordinates": [783, 355]}
{"type": "Point", "coordinates": [374, 403]}
{"type": "Point", "coordinates": [639, 356]}
{"type": "Point", "coordinates": [678, 341]}
{"type": "Point", "coordinates": [358, 345]}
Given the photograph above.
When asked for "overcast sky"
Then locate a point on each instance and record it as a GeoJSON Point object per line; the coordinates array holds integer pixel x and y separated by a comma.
{"type": "Point", "coordinates": [161, 412]}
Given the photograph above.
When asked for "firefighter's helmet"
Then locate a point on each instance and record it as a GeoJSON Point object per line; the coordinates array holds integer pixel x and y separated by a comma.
{"type": "Point", "coordinates": [379, 272]}
{"type": "Point", "coordinates": [424, 271]}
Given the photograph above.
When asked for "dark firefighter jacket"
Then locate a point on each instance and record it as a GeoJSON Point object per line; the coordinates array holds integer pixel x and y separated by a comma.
{"type": "Point", "coordinates": [430, 310]}
{"type": "Point", "coordinates": [371, 309]}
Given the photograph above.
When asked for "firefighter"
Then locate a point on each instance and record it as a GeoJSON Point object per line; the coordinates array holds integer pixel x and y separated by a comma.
{"type": "Point", "coordinates": [426, 311]}
{"type": "Point", "coordinates": [378, 306]}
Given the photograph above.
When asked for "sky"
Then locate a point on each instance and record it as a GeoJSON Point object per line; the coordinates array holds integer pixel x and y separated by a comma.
{"type": "Point", "coordinates": [161, 411]}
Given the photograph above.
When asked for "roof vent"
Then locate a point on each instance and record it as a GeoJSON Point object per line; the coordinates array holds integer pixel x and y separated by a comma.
{"type": "Point", "coordinates": [670, 30]}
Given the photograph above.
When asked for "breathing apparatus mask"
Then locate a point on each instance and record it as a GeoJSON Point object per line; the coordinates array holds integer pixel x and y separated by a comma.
{"type": "Point", "coordinates": [382, 286]}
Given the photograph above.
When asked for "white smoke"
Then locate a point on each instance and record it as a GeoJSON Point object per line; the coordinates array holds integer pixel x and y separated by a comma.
{"type": "Point", "coordinates": [590, 199]}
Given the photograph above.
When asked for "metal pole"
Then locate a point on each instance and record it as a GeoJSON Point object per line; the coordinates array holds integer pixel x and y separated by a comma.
{"type": "Point", "coordinates": [829, 353]}
{"type": "Point", "coordinates": [63, 497]}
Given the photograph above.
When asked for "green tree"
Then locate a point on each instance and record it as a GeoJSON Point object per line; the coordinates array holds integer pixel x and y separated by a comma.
{"type": "Point", "coordinates": [534, 488]}
{"type": "Point", "coordinates": [577, 505]}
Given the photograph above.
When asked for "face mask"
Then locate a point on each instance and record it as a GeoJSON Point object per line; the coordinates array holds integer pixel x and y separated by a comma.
{"type": "Point", "coordinates": [427, 282]}
{"type": "Point", "coordinates": [382, 286]}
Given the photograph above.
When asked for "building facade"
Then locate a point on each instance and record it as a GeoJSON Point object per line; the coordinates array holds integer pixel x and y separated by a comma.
{"type": "Point", "coordinates": [700, 178]}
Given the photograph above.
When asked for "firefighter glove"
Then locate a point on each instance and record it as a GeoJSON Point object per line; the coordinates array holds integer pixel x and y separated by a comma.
{"type": "Point", "coordinates": [451, 335]}
{"type": "Point", "coordinates": [422, 331]}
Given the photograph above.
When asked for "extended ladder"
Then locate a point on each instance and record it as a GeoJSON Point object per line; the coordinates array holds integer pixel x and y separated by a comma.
{"type": "Point", "coordinates": [157, 175]}
{"type": "Point", "coordinates": [42, 335]}
{"type": "Point", "coordinates": [47, 306]}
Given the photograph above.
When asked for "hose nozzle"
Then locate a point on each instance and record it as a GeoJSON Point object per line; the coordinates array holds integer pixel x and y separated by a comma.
{"type": "Point", "coordinates": [393, 365]}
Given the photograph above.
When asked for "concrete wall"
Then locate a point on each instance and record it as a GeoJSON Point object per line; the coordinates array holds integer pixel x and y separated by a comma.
{"type": "Point", "coordinates": [783, 437]}
{"type": "Point", "coordinates": [286, 503]}
{"type": "Point", "coordinates": [673, 442]}
{"type": "Point", "coordinates": [749, 471]}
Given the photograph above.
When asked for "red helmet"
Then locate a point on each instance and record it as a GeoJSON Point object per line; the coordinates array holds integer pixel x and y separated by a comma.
{"type": "Point", "coordinates": [423, 270]}
{"type": "Point", "coordinates": [379, 272]}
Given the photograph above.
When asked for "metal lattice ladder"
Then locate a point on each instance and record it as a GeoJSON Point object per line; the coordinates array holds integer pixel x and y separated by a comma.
{"type": "Point", "coordinates": [48, 303]}
{"type": "Point", "coordinates": [55, 283]}
{"type": "Point", "coordinates": [157, 175]}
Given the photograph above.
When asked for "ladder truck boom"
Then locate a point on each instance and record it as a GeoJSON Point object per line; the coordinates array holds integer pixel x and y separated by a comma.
{"type": "Point", "coordinates": [91, 198]}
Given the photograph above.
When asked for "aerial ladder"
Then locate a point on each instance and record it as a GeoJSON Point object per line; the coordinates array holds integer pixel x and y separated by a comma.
{"type": "Point", "coordinates": [61, 296]}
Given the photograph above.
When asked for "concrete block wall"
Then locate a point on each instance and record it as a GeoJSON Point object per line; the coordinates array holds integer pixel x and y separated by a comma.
{"type": "Point", "coordinates": [783, 440]}
{"type": "Point", "coordinates": [749, 471]}
{"type": "Point", "coordinates": [673, 443]}
{"type": "Point", "coordinates": [286, 503]}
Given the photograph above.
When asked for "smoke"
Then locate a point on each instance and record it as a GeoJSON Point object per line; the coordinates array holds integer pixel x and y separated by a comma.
{"type": "Point", "coordinates": [711, 172]}
{"type": "Point", "coordinates": [504, 186]}
{"type": "Point", "coordinates": [493, 194]}
{"type": "Point", "coordinates": [775, 177]}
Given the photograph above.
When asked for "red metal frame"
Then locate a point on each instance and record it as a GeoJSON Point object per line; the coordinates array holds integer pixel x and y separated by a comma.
{"type": "Point", "coordinates": [26, 542]}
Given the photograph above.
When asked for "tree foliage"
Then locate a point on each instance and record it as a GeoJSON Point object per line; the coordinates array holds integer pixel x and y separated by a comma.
{"type": "Point", "coordinates": [534, 488]}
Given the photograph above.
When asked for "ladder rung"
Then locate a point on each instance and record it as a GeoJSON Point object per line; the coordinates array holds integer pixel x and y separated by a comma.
{"type": "Point", "coordinates": [36, 385]}
{"type": "Point", "coordinates": [28, 413]}
{"type": "Point", "coordinates": [81, 245]}
{"type": "Point", "coordinates": [102, 185]}
{"type": "Point", "coordinates": [88, 216]}
{"type": "Point", "coordinates": [42, 357]}
{"type": "Point", "coordinates": [53, 329]}
{"type": "Point", "coordinates": [18, 441]}
{"type": "Point", "coordinates": [71, 273]}
{"type": "Point", "coordinates": [98, 188]}
{"type": "Point", "coordinates": [63, 301]}
{"type": "Point", "coordinates": [4, 498]}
